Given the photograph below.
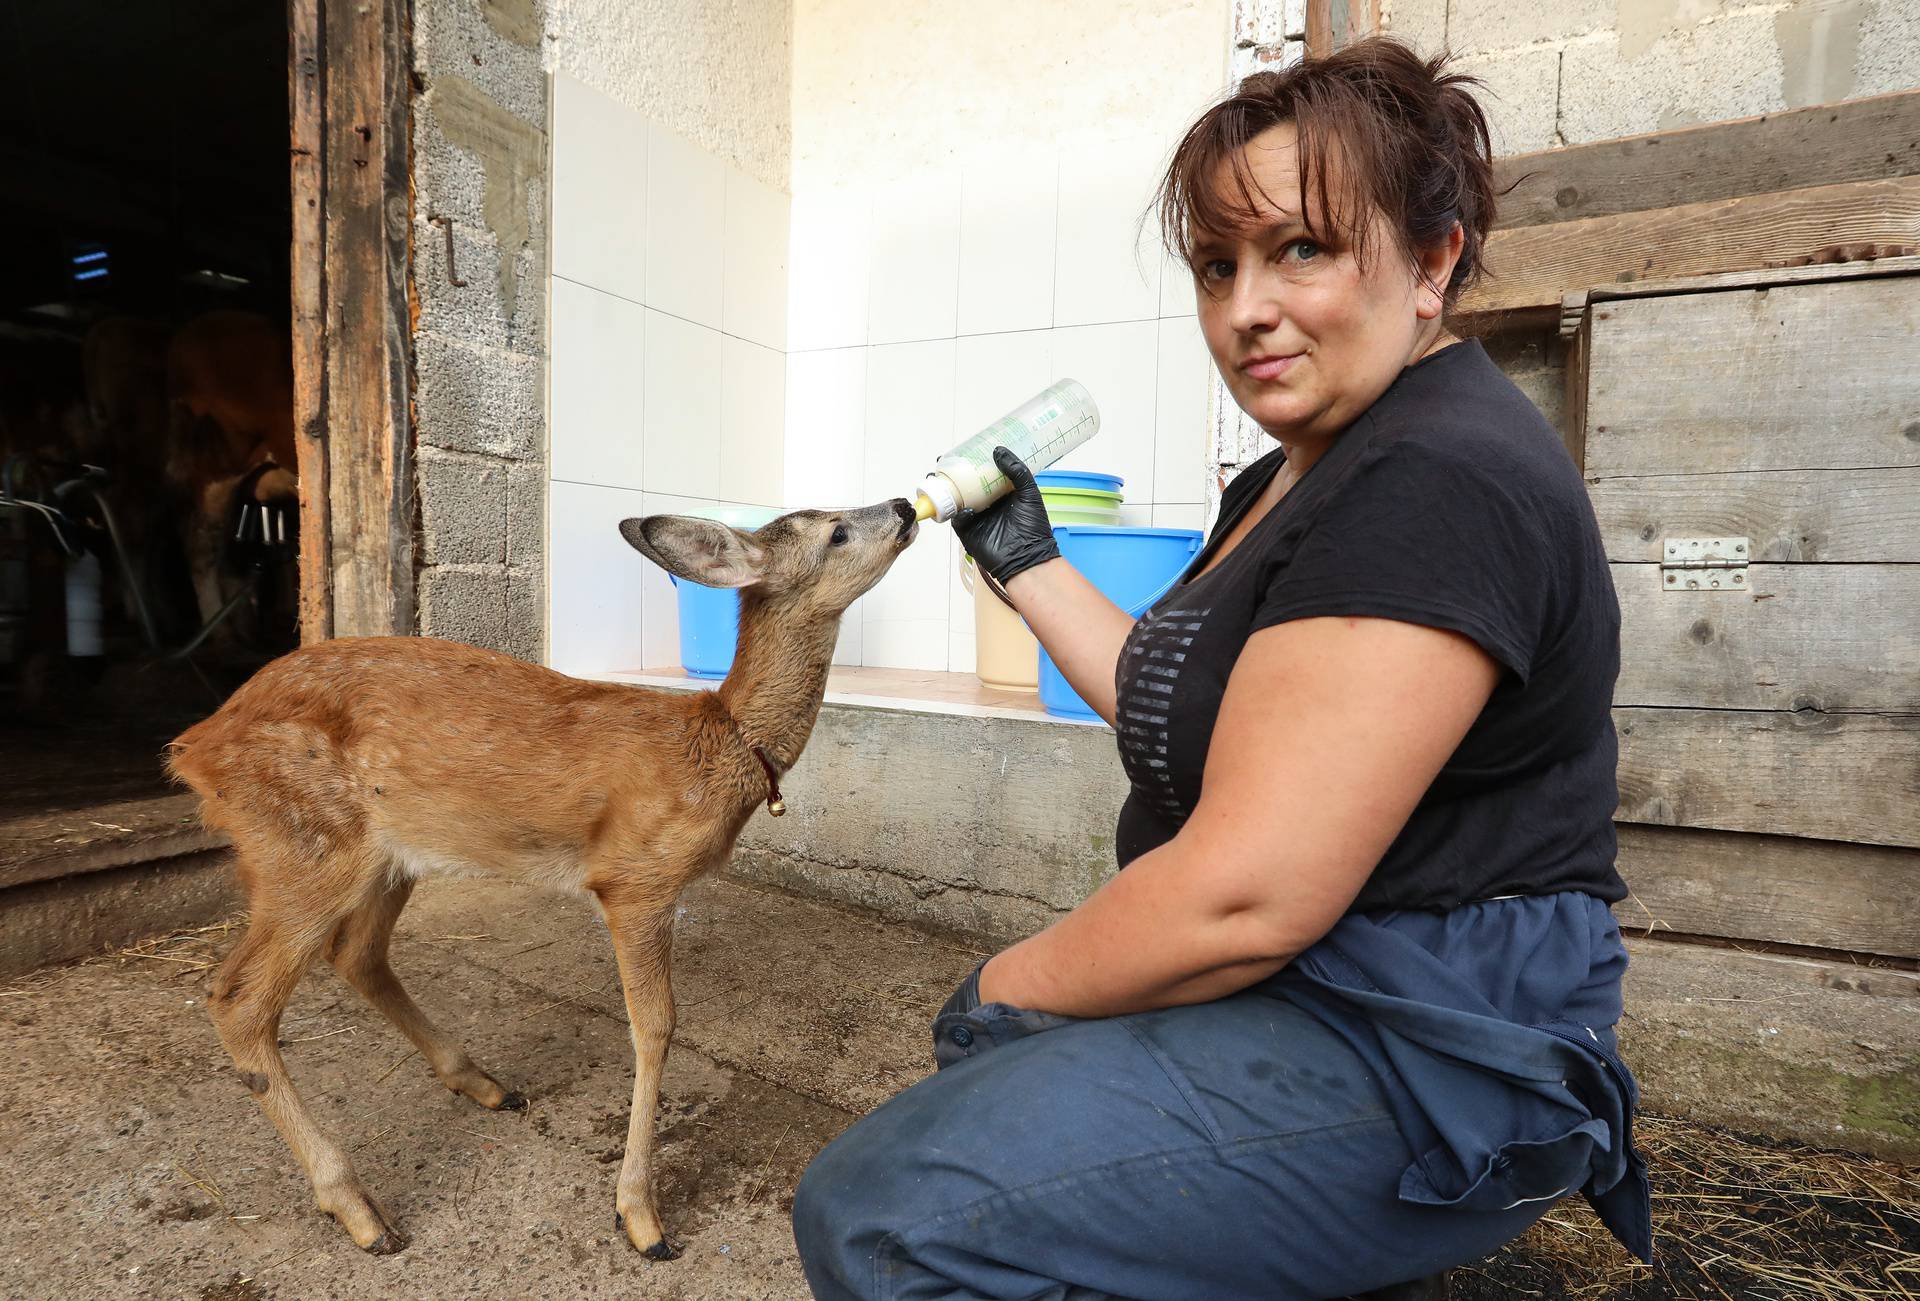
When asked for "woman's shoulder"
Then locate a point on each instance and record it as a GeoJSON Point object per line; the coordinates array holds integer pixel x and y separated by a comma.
{"type": "Point", "coordinates": [1466, 426]}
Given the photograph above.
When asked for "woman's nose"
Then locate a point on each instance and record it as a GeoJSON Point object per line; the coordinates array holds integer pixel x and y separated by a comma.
{"type": "Point", "coordinates": [1253, 308]}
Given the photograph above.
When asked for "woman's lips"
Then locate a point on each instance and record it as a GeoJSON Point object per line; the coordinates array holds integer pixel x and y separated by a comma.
{"type": "Point", "coordinates": [1269, 368]}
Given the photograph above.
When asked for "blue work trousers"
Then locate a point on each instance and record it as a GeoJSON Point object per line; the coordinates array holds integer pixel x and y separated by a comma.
{"type": "Point", "coordinates": [1233, 1149]}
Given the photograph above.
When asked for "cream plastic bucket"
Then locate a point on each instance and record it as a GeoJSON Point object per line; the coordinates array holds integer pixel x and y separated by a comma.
{"type": "Point", "coordinates": [1006, 655]}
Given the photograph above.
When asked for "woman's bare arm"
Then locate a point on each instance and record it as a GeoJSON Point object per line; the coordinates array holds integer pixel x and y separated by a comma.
{"type": "Point", "coordinates": [1082, 630]}
{"type": "Point", "coordinates": [1330, 732]}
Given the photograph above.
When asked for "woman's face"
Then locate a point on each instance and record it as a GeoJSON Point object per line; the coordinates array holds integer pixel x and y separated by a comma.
{"type": "Point", "coordinates": [1306, 335]}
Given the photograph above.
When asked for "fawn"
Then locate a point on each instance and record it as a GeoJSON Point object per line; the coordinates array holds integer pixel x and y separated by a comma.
{"type": "Point", "coordinates": [345, 771]}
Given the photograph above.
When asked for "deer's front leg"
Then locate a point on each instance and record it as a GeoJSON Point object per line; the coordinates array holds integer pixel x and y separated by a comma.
{"type": "Point", "coordinates": [642, 930]}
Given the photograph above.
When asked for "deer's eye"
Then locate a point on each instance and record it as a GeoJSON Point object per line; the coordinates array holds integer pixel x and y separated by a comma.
{"type": "Point", "coordinates": [839, 538]}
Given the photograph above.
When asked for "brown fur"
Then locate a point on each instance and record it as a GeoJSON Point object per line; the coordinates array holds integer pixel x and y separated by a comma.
{"type": "Point", "coordinates": [348, 769]}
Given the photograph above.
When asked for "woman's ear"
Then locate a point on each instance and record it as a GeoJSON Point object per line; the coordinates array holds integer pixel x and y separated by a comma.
{"type": "Point", "coordinates": [1435, 265]}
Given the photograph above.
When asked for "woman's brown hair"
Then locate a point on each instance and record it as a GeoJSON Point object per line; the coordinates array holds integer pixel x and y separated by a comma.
{"type": "Point", "coordinates": [1409, 139]}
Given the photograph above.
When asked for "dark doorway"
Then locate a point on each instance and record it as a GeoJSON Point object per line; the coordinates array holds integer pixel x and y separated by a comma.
{"type": "Point", "coordinates": [148, 496]}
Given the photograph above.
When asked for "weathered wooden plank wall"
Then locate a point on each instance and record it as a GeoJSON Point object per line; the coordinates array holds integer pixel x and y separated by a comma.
{"type": "Point", "coordinates": [1778, 889]}
{"type": "Point", "coordinates": [1769, 736]}
{"type": "Point", "coordinates": [352, 326]}
{"type": "Point", "coordinates": [1812, 516]}
{"type": "Point", "coordinates": [306, 96]}
{"type": "Point", "coordinates": [1805, 377]}
{"type": "Point", "coordinates": [1725, 197]}
{"type": "Point", "coordinates": [1830, 144]}
{"type": "Point", "coordinates": [1829, 638]}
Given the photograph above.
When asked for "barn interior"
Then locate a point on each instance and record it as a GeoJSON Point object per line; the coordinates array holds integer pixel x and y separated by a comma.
{"type": "Point", "coordinates": [148, 501]}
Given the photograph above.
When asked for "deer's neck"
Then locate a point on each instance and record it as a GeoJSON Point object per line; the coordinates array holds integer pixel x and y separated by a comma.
{"type": "Point", "coordinates": [779, 675]}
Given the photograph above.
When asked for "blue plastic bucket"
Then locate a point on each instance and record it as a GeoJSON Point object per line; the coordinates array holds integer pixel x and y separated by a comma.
{"type": "Point", "coordinates": [1133, 568]}
{"type": "Point", "coordinates": [709, 627]}
{"type": "Point", "coordinates": [710, 616]}
{"type": "Point", "coordinates": [1083, 479]}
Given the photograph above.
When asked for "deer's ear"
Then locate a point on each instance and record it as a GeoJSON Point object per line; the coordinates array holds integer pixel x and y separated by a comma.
{"type": "Point", "coordinates": [700, 551]}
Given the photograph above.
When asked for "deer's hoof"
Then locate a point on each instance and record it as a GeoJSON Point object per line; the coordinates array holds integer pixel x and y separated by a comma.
{"type": "Point", "coordinates": [665, 1249]}
{"type": "Point", "coordinates": [390, 1243]}
{"type": "Point", "coordinates": [513, 1102]}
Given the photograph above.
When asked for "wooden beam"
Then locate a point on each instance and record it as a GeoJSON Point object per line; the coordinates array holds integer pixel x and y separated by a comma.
{"type": "Point", "coordinates": [1534, 266]}
{"type": "Point", "coordinates": [1819, 377]}
{"type": "Point", "coordinates": [1853, 777]}
{"type": "Point", "coordinates": [1861, 140]}
{"type": "Point", "coordinates": [1808, 516]}
{"type": "Point", "coordinates": [367, 358]}
{"type": "Point", "coordinates": [1878, 268]}
{"type": "Point", "coordinates": [1833, 638]}
{"type": "Point", "coordinates": [1334, 23]}
{"type": "Point", "coordinates": [1818, 893]}
{"type": "Point", "coordinates": [306, 93]}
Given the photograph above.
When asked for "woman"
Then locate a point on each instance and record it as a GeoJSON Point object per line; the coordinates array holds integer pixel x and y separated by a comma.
{"type": "Point", "coordinates": [1346, 1018]}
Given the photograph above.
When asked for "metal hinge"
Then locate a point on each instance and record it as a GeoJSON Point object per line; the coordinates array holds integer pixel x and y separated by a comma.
{"type": "Point", "coordinates": [1702, 564]}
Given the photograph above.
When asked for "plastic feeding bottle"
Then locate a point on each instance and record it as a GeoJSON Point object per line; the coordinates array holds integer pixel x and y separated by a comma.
{"type": "Point", "coordinates": [1039, 431]}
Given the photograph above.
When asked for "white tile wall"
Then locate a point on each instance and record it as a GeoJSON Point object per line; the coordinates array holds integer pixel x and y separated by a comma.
{"type": "Point", "coordinates": [825, 428]}
{"type": "Point", "coordinates": [827, 269]}
{"type": "Point", "coordinates": [667, 375]}
{"type": "Point", "coordinates": [913, 279]}
{"type": "Point", "coordinates": [1116, 363]}
{"type": "Point", "coordinates": [753, 409]}
{"type": "Point", "coordinates": [598, 194]}
{"type": "Point", "coordinates": [1007, 216]}
{"type": "Point", "coordinates": [754, 303]}
{"type": "Point", "coordinates": [1108, 262]}
{"type": "Point", "coordinates": [596, 379]}
{"type": "Point", "coordinates": [909, 420]}
{"type": "Point", "coordinates": [1185, 373]}
{"type": "Point", "coordinates": [686, 228]}
{"type": "Point", "coordinates": [682, 412]}
{"type": "Point", "coordinates": [994, 373]}
{"type": "Point", "coordinates": [595, 581]}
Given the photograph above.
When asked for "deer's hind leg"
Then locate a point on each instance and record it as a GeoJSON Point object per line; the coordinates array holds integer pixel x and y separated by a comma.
{"type": "Point", "coordinates": [249, 994]}
{"type": "Point", "coordinates": [358, 951]}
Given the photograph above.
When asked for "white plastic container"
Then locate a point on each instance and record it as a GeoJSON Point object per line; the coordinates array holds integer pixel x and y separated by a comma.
{"type": "Point", "coordinates": [1005, 653]}
{"type": "Point", "coordinates": [1039, 431]}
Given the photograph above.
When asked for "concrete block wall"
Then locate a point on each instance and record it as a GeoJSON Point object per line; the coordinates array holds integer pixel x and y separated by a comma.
{"type": "Point", "coordinates": [1563, 72]}
{"type": "Point", "coordinates": [480, 346]}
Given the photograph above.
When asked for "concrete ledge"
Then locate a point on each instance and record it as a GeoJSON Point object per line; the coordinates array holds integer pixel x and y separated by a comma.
{"type": "Point", "coordinates": [97, 837]}
{"type": "Point", "coordinates": [1822, 1053]}
{"type": "Point", "coordinates": [986, 826]}
{"type": "Point", "coordinates": [79, 916]}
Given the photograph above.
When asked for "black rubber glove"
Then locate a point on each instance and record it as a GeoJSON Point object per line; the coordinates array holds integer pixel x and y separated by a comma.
{"type": "Point", "coordinates": [1014, 534]}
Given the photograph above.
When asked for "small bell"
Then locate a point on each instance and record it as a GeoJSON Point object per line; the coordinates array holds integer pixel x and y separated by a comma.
{"type": "Point", "coordinates": [776, 806]}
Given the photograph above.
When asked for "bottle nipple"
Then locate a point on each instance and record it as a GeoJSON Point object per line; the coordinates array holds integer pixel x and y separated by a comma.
{"type": "Point", "coordinates": [923, 508]}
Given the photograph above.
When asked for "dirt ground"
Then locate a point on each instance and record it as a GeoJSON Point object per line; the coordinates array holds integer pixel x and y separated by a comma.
{"type": "Point", "coordinates": [138, 1166]}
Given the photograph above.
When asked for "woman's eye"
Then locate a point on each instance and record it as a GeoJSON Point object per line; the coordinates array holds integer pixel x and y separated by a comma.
{"type": "Point", "coordinates": [1216, 269]}
{"type": "Point", "coordinates": [839, 538]}
{"type": "Point", "coordinates": [1300, 250]}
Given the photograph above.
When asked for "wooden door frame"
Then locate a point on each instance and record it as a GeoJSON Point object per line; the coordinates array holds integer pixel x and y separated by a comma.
{"type": "Point", "coordinates": [349, 93]}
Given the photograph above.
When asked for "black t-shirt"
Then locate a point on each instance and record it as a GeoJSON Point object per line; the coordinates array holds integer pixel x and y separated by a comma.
{"type": "Point", "coordinates": [1452, 504]}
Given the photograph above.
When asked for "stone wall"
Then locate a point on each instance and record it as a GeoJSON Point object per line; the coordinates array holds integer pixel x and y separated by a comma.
{"type": "Point", "coordinates": [1570, 71]}
{"type": "Point", "coordinates": [480, 170]}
